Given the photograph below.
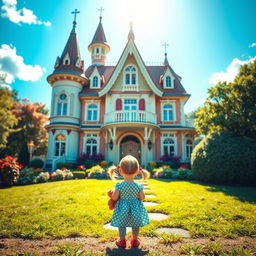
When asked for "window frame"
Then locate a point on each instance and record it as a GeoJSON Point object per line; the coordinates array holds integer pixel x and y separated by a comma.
{"type": "Point", "coordinates": [130, 76]}
{"type": "Point", "coordinates": [173, 104]}
{"type": "Point", "coordinates": [58, 144]}
{"type": "Point", "coordinates": [167, 136]}
{"type": "Point", "coordinates": [91, 136]}
{"type": "Point", "coordinates": [86, 114]}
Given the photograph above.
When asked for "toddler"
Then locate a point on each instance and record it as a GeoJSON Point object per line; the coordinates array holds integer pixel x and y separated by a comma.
{"type": "Point", "coordinates": [129, 210]}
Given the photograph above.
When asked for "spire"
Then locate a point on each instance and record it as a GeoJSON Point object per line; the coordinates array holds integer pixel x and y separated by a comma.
{"type": "Point", "coordinates": [70, 59]}
{"type": "Point", "coordinates": [166, 63]}
{"type": "Point", "coordinates": [131, 34]}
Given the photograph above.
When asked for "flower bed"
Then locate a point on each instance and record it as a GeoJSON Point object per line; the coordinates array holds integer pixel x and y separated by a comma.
{"type": "Point", "coordinates": [165, 172]}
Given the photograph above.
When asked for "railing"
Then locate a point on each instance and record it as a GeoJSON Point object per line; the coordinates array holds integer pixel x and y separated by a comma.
{"type": "Point", "coordinates": [125, 116]}
{"type": "Point", "coordinates": [130, 87]}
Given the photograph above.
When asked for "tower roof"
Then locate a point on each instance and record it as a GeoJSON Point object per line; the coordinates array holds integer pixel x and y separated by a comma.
{"type": "Point", "coordinates": [99, 36]}
{"type": "Point", "coordinates": [70, 60]}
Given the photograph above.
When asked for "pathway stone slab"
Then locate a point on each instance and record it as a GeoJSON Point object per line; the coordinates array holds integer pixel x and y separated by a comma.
{"type": "Point", "coordinates": [175, 231]}
{"type": "Point", "coordinates": [157, 216]}
{"type": "Point", "coordinates": [150, 204]}
{"type": "Point", "coordinates": [107, 226]}
{"type": "Point", "coordinates": [150, 196]}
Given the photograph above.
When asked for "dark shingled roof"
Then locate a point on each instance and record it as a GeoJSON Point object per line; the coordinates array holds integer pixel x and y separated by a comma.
{"type": "Point", "coordinates": [72, 48]}
{"type": "Point", "coordinates": [99, 36]}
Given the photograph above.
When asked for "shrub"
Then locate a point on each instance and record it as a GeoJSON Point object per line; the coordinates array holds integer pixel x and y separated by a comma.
{"type": "Point", "coordinates": [90, 160]}
{"type": "Point", "coordinates": [79, 174]}
{"type": "Point", "coordinates": [97, 172]}
{"type": "Point", "coordinates": [43, 177]}
{"type": "Point", "coordinates": [36, 163]}
{"type": "Point", "coordinates": [226, 159]}
{"type": "Point", "coordinates": [172, 160]}
{"type": "Point", "coordinates": [28, 176]}
{"type": "Point", "coordinates": [69, 166]}
{"type": "Point", "coordinates": [63, 174]}
{"type": "Point", "coordinates": [9, 170]}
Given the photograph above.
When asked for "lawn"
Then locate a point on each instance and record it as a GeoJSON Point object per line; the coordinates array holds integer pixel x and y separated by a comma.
{"type": "Point", "coordinates": [79, 208]}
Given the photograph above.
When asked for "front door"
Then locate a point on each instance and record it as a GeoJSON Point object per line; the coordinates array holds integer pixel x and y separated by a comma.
{"type": "Point", "coordinates": [130, 148]}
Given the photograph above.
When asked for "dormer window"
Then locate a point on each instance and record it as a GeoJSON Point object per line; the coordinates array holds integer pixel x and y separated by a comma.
{"type": "Point", "coordinates": [168, 82]}
{"type": "Point", "coordinates": [130, 75]}
{"type": "Point", "coordinates": [66, 60]}
{"type": "Point", "coordinates": [95, 82]}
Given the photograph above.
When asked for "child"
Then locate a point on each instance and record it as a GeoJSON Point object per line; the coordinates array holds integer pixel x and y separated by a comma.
{"type": "Point", "coordinates": [129, 210]}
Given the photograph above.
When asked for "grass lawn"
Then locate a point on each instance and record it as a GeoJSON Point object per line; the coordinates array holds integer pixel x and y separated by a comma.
{"type": "Point", "coordinates": [79, 208]}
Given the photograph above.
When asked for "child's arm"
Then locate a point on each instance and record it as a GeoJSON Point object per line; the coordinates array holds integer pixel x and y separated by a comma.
{"type": "Point", "coordinates": [141, 195]}
{"type": "Point", "coordinates": [115, 195]}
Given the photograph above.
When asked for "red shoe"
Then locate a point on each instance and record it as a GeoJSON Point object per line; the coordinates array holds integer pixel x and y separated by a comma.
{"type": "Point", "coordinates": [121, 243]}
{"type": "Point", "coordinates": [135, 242]}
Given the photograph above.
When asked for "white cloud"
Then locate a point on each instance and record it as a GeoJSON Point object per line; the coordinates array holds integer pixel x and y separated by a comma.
{"type": "Point", "coordinates": [13, 66]}
{"type": "Point", "coordinates": [231, 73]}
{"type": "Point", "coordinates": [24, 15]}
{"type": "Point", "coordinates": [252, 45]}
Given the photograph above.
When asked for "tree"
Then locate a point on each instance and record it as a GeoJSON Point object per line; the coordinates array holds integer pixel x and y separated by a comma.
{"type": "Point", "coordinates": [32, 120]}
{"type": "Point", "coordinates": [190, 117]}
{"type": "Point", "coordinates": [231, 106]}
{"type": "Point", "coordinates": [7, 119]}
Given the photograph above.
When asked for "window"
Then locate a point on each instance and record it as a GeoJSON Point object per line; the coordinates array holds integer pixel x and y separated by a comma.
{"type": "Point", "coordinates": [97, 50]}
{"type": "Point", "coordinates": [130, 104]}
{"type": "Point", "coordinates": [168, 82]}
{"type": "Point", "coordinates": [168, 112]}
{"type": "Point", "coordinates": [60, 145]}
{"type": "Point", "coordinates": [189, 147]}
{"type": "Point", "coordinates": [66, 62]}
{"type": "Point", "coordinates": [91, 146]}
{"type": "Point", "coordinates": [95, 82]}
{"type": "Point", "coordinates": [92, 113]}
{"type": "Point", "coordinates": [62, 106]}
{"type": "Point", "coordinates": [168, 146]}
{"type": "Point", "coordinates": [130, 75]}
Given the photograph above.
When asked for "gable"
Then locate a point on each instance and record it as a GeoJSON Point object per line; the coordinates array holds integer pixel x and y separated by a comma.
{"type": "Point", "coordinates": [140, 80]}
{"type": "Point", "coordinates": [130, 49]}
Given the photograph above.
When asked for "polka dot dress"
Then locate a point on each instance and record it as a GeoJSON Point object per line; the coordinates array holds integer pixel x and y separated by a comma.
{"type": "Point", "coordinates": [129, 210]}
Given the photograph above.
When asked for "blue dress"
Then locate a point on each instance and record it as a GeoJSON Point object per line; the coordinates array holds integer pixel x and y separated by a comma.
{"type": "Point", "coordinates": [129, 210]}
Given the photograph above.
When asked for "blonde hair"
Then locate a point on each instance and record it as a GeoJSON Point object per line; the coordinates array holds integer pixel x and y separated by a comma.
{"type": "Point", "coordinates": [129, 165]}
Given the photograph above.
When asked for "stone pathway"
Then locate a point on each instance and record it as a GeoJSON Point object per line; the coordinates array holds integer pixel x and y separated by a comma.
{"type": "Point", "coordinates": [156, 216]}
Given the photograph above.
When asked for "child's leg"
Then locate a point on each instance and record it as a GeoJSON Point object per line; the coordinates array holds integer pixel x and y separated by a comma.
{"type": "Point", "coordinates": [122, 233]}
{"type": "Point", "coordinates": [135, 233]}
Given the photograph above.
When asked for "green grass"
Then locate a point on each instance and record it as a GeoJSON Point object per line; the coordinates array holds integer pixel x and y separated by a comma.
{"type": "Point", "coordinates": [79, 207]}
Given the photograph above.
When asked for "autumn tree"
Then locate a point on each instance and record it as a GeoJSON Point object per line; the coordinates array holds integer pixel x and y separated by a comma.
{"type": "Point", "coordinates": [32, 118]}
{"type": "Point", "coordinates": [231, 106]}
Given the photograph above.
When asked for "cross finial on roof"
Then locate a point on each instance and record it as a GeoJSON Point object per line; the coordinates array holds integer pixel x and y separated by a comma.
{"type": "Point", "coordinates": [165, 50]}
{"type": "Point", "coordinates": [100, 10]}
{"type": "Point", "coordinates": [75, 12]}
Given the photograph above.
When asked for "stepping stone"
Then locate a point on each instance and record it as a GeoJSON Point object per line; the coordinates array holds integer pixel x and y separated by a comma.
{"type": "Point", "coordinates": [107, 226]}
{"type": "Point", "coordinates": [157, 216]}
{"type": "Point", "coordinates": [174, 231]}
{"type": "Point", "coordinates": [150, 204]}
{"type": "Point", "coordinates": [150, 196]}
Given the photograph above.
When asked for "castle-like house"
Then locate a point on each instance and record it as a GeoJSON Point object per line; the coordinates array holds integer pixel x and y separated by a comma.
{"type": "Point", "coordinates": [130, 108]}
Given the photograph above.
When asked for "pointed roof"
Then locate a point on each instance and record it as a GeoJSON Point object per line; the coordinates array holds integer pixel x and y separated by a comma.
{"type": "Point", "coordinates": [72, 52]}
{"type": "Point", "coordinates": [99, 36]}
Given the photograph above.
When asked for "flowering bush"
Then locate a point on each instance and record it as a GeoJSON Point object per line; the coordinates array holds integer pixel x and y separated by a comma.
{"type": "Point", "coordinates": [104, 164]}
{"type": "Point", "coordinates": [28, 176]}
{"type": "Point", "coordinates": [61, 175]}
{"type": "Point", "coordinates": [9, 170]}
{"type": "Point", "coordinates": [81, 167]}
{"type": "Point", "coordinates": [165, 172]}
{"type": "Point", "coordinates": [90, 160]}
{"type": "Point", "coordinates": [172, 160]}
{"type": "Point", "coordinates": [96, 172]}
{"type": "Point", "coordinates": [79, 174]}
{"type": "Point", "coordinates": [43, 177]}
{"type": "Point", "coordinates": [152, 163]}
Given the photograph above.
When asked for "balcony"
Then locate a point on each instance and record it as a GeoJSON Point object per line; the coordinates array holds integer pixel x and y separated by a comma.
{"type": "Point", "coordinates": [130, 116]}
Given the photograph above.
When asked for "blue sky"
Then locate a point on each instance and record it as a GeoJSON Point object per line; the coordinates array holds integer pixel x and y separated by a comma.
{"type": "Point", "coordinates": [208, 39]}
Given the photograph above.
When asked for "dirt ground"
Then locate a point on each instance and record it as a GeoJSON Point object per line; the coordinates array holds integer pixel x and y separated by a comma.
{"type": "Point", "coordinates": [8, 246]}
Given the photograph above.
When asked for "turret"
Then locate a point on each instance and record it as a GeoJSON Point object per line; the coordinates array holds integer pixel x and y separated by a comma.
{"type": "Point", "coordinates": [99, 47]}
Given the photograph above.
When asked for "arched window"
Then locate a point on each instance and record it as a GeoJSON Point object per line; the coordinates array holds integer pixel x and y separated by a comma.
{"type": "Point", "coordinates": [168, 82]}
{"type": "Point", "coordinates": [95, 82]}
{"type": "Point", "coordinates": [91, 146]}
{"type": "Point", "coordinates": [130, 75]}
{"type": "Point", "coordinates": [60, 145]}
{"type": "Point", "coordinates": [168, 112]}
{"type": "Point", "coordinates": [92, 112]}
{"type": "Point", "coordinates": [168, 146]}
{"type": "Point", "coordinates": [189, 148]}
{"type": "Point", "coordinates": [62, 105]}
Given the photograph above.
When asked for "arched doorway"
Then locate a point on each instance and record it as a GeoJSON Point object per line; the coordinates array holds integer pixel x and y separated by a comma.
{"type": "Point", "coordinates": [130, 145]}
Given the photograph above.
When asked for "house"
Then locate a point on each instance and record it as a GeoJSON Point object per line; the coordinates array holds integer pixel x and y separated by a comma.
{"type": "Point", "coordinates": [129, 108]}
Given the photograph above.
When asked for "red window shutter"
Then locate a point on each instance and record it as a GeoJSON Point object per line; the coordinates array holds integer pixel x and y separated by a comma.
{"type": "Point", "coordinates": [118, 104]}
{"type": "Point", "coordinates": [142, 104]}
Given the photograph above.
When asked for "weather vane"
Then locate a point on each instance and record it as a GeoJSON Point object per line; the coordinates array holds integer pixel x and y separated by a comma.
{"type": "Point", "coordinates": [165, 48]}
{"type": "Point", "coordinates": [75, 13]}
{"type": "Point", "coordinates": [101, 10]}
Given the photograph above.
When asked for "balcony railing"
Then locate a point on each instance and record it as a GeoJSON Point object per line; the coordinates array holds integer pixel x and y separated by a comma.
{"type": "Point", "coordinates": [125, 116]}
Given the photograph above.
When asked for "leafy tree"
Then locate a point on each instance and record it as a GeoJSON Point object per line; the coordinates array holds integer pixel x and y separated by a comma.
{"type": "Point", "coordinates": [32, 120]}
{"type": "Point", "coordinates": [231, 106]}
{"type": "Point", "coordinates": [190, 117]}
{"type": "Point", "coordinates": [7, 119]}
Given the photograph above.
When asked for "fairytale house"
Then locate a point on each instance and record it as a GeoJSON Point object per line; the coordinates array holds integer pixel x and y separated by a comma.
{"type": "Point", "coordinates": [117, 110]}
